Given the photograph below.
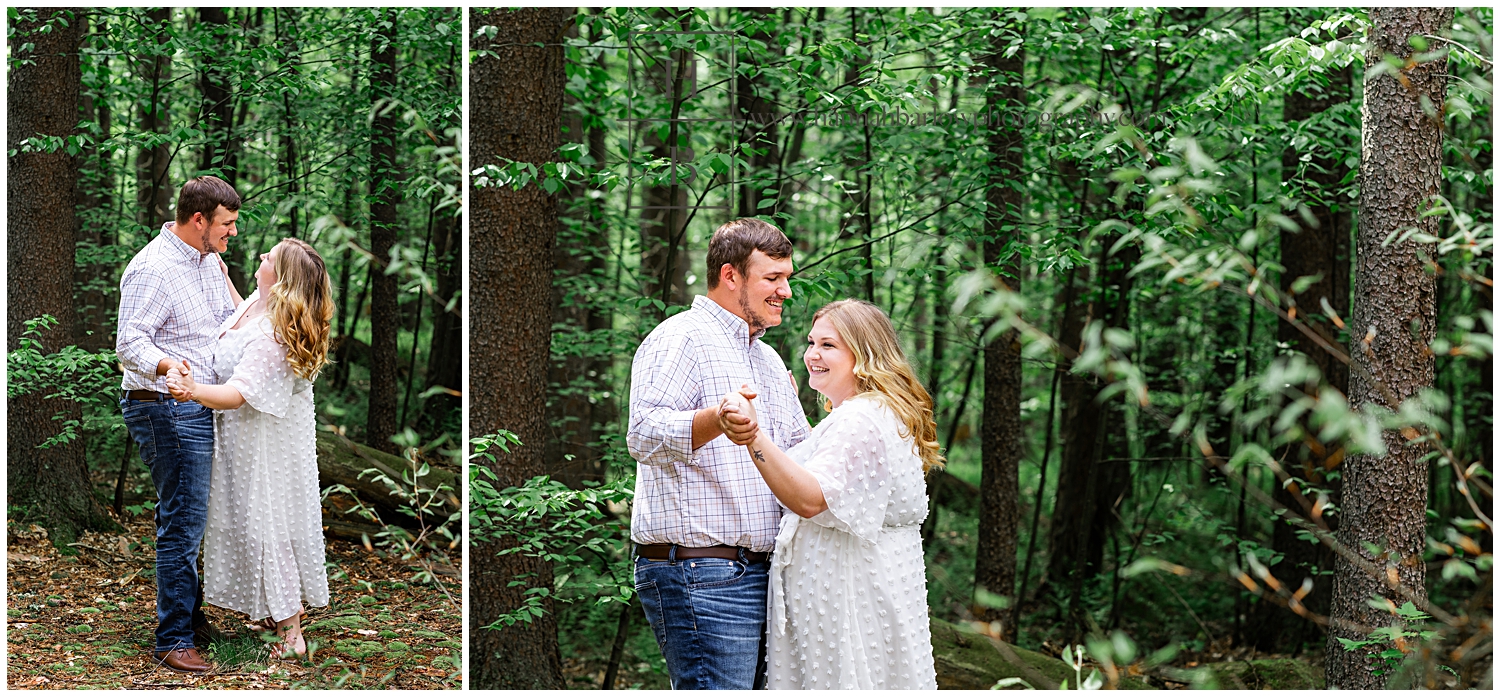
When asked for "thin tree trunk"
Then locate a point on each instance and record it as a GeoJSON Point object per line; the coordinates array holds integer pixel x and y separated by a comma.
{"type": "Point", "coordinates": [516, 113]}
{"type": "Point", "coordinates": [1320, 248]}
{"type": "Point", "coordinates": [287, 39]}
{"type": "Point", "coordinates": [154, 196]}
{"type": "Point", "coordinates": [1385, 498]}
{"type": "Point", "coordinates": [51, 485]}
{"type": "Point", "coordinates": [385, 193]}
{"type": "Point", "coordinates": [757, 108]}
{"type": "Point", "coordinates": [999, 510]}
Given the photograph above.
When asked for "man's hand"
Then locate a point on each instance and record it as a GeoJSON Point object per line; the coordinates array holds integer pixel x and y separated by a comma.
{"type": "Point", "coordinates": [180, 382]}
{"type": "Point", "coordinates": [737, 417]}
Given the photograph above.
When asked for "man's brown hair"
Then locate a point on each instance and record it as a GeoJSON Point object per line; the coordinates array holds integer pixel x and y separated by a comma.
{"type": "Point", "coordinates": [735, 240]}
{"type": "Point", "coordinates": [204, 195]}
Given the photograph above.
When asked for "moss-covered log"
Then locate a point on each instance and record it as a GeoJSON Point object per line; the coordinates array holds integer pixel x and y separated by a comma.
{"type": "Point", "coordinates": [342, 461]}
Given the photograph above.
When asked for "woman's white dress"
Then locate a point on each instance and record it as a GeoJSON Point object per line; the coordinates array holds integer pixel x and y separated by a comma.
{"type": "Point", "coordinates": [263, 547]}
{"type": "Point", "coordinates": [848, 598]}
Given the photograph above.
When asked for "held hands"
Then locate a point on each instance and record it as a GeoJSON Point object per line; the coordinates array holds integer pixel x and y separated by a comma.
{"type": "Point", "coordinates": [180, 382]}
{"type": "Point", "coordinates": [737, 417]}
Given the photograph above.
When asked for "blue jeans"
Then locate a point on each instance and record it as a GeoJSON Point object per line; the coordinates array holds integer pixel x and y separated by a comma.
{"type": "Point", "coordinates": [709, 617]}
{"type": "Point", "coordinates": [177, 442]}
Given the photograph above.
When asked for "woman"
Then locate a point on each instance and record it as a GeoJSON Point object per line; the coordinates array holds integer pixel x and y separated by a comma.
{"type": "Point", "coordinates": [263, 548]}
{"type": "Point", "coordinates": [848, 585]}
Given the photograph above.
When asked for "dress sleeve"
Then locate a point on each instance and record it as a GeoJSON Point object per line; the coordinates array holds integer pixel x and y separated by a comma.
{"type": "Point", "coordinates": [264, 377]}
{"type": "Point", "coordinates": [849, 464]}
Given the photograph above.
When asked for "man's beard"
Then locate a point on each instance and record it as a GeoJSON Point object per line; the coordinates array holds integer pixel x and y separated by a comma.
{"type": "Point", "coordinates": [754, 319]}
{"type": "Point", "coordinates": [208, 247]}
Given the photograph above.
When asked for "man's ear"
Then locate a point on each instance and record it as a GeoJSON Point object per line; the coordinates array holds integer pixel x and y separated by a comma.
{"type": "Point", "coordinates": [728, 275]}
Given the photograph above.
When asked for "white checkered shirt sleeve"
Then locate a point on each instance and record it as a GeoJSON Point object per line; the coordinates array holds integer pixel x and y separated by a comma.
{"type": "Point", "coordinates": [145, 305]}
{"type": "Point", "coordinates": [665, 392]}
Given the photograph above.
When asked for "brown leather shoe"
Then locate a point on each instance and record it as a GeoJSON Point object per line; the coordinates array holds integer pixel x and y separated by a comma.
{"type": "Point", "coordinates": [182, 661]}
{"type": "Point", "coordinates": [206, 633]}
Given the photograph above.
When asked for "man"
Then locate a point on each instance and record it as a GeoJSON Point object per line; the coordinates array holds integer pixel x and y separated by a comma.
{"type": "Point", "coordinates": [704, 521]}
{"type": "Point", "coordinates": [173, 296]}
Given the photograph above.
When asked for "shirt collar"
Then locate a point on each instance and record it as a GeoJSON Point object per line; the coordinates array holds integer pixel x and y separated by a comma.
{"type": "Point", "coordinates": [175, 242]}
{"type": "Point", "coordinates": [737, 328]}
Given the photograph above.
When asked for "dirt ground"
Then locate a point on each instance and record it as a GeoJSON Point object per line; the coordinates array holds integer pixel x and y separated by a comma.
{"type": "Point", "coordinates": [87, 621]}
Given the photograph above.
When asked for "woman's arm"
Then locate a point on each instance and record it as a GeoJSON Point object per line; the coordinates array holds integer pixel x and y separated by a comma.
{"type": "Point", "coordinates": [180, 383]}
{"type": "Point", "coordinates": [794, 487]}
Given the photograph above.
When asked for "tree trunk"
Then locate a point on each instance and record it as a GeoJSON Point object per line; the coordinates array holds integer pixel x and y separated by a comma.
{"type": "Point", "coordinates": [664, 256]}
{"type": "Point", "coordinates": [756, 106]}
{"type": "Point", "coordinates": [154, 195]}
{"type": "Point", "coordinates": [515, 113]}
{"type": "Point", "coordinates": [51, 485]}
{"type": "Point", "coordinates": [93, 283]}
{"type": "Point", "coordinates": [385, 193]}
{"type": "Point", "coordinates": [1385, 498]}
{"type": "Point", "coordinates": [286, 37]}
{"type": "Point", "coordinates": [220, 151]}
{"type": "Point", "coordinates": [1319, 248]}
{"type": "Point", "coordinates": [444, 359]}
{"type": "Point", "coordinates": [1002, 441]}
{"type": "Point", "coordinates": [573, 410]}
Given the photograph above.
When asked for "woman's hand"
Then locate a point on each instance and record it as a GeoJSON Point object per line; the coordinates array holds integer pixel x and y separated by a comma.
{"type": "Point", "coordinates": [180, 382]}
{"type": "Point", "coordinates": [737, 417]}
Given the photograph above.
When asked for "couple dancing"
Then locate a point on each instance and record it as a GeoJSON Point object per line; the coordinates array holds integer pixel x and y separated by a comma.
{"type": "Point", "coordinates": [831, 594]}
{"type": "Point", "coordinates": [218, 395]}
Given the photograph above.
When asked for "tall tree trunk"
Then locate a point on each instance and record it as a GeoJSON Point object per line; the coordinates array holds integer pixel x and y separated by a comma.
{"type": "Point", "coordinates": [220, 151]}
{"type": "Point", "coordinates": [573, 410]}
{"type": "Point", "coordinates": [92, 283]}
{"type": "Point", "coordinates": [286, 37]}
{"type": "Point", "coordinates": [1320, 248]}
{"type": "Point", "coordinates": [1002, 441]}
{"type": "Point", "coordinates": [444, 353]}
{"type": "Point", "coordinates": [1073, 508]}
{"type": "Point", "coordinates": [664, 256]}
{"type": "Point", "coordinates": [515, 113]}
{"type": "Point", "coordinates": [1385, 498]}
{"type": "Point", "coordinates": [154, 195]}
{"type": "Point", "coordinates": [445, 348]}
{"type": "Point", "coordinates": [385, 193]}
{"type": "Point", "coordinates": [51, 485]}
{"type": "Point", "coordinates": [756, 107]}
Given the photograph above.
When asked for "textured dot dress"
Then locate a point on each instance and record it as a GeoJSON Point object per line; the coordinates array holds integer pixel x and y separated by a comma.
{"type": "Point", "coordinates": [263, 549]}
{"type": "Point", "coordinates": [848, 600]}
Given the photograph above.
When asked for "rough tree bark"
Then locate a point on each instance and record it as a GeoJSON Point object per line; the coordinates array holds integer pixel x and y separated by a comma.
{"type": "Point", "coordinates": [1385, 498]}
{"type": "Point", "coordinates": [1001, 437]}
{"type": "Point", "coordinates": [385, 193]}
{"type": "Point", "coordinates": [1319, 248]}
{"type": "Point", "coordinates": [51, 484]}
{"type": "Point", "coordinates": [515, 112]}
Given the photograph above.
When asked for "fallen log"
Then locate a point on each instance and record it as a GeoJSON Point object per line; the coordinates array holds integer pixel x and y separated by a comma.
{"type": "Point", "coordinates": [343, 461]}
{"type": "Point", "coordinates": [966, 660]}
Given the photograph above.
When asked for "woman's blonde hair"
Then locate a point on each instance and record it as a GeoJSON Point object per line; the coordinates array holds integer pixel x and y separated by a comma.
{"type": "Point", "coordinates": [881, 370]}
{"type": "Point", "coordinates": [300, 304]}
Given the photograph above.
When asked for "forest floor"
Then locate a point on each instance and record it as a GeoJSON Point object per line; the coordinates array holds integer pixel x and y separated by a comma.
{"type": "Point", "coordinates": [87, 621]}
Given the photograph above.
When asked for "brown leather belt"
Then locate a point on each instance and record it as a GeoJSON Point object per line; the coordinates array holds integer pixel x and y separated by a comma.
{"type": "Point", "coordinates": [664, 552]}
{"type": "Point", "coordinates": [145, 395]}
